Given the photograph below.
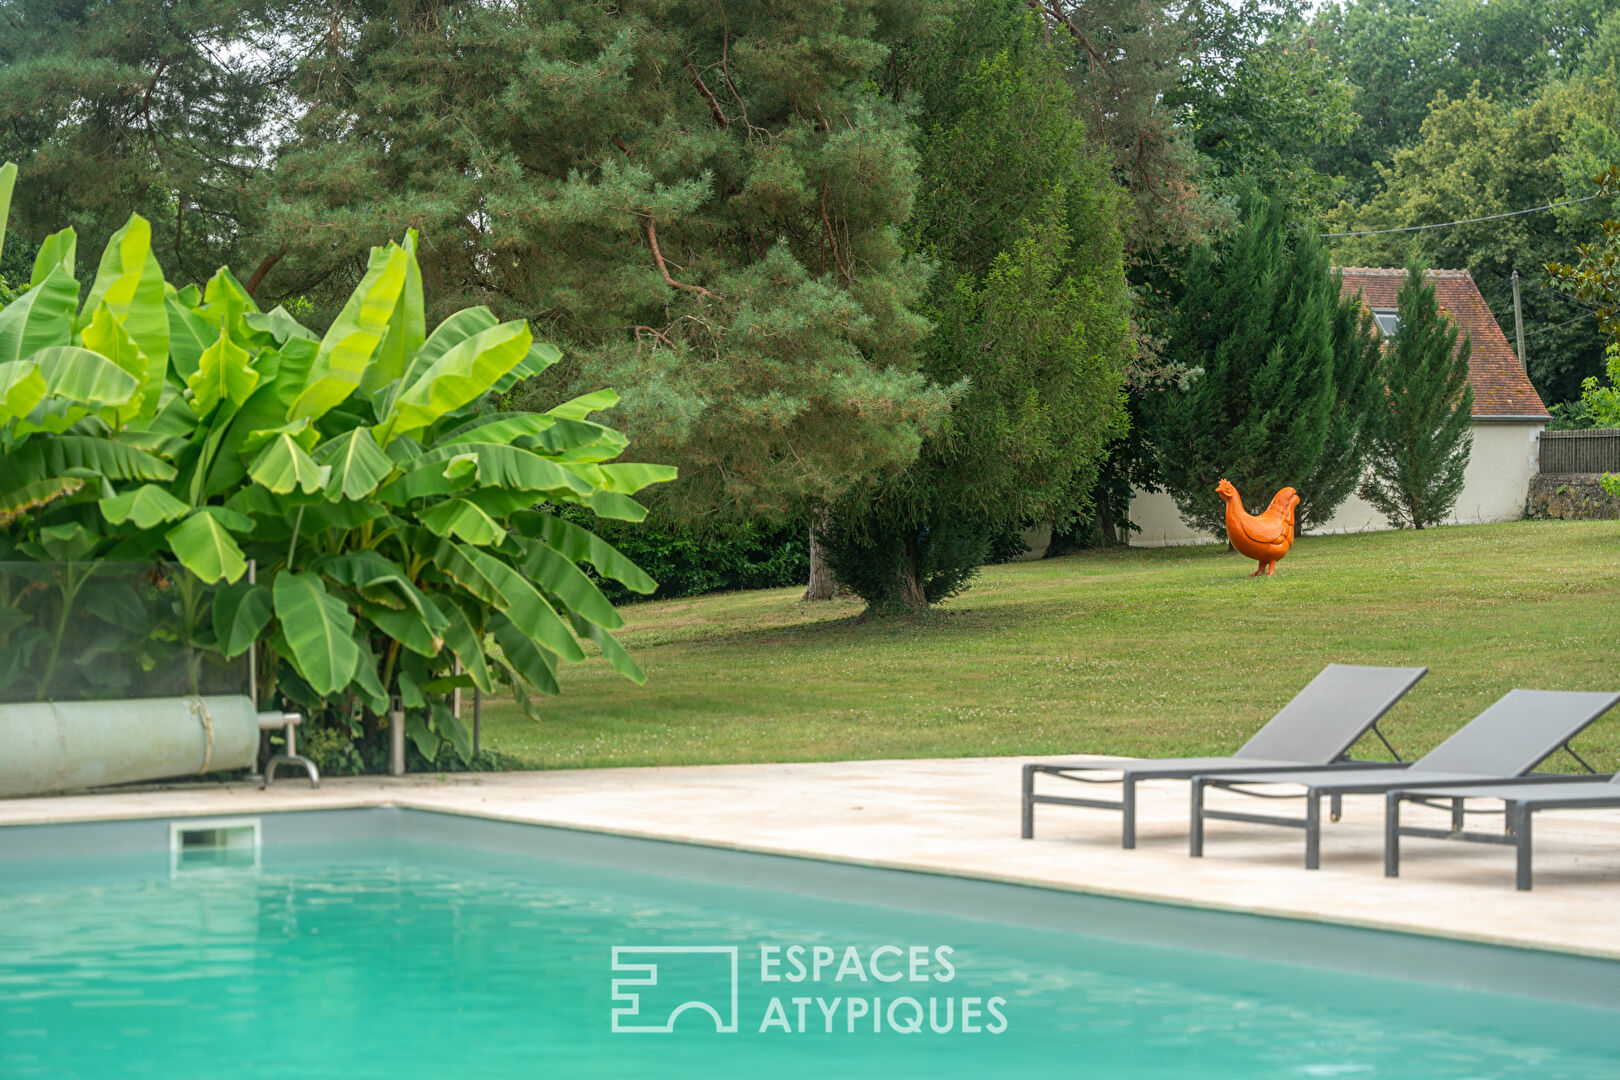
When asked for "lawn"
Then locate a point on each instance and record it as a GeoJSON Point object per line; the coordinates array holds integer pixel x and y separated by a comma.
{"type": "Point", "coordinates": [1170, 651]}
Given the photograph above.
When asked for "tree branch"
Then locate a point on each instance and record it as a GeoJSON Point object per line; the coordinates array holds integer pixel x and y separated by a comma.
{"type": "Point", "coordinates": [708, 95]}
{"type": "Point", "coordinates": [262, 269]}
{"type": "Point", "coordinates": [663, 268]}
{"type": "Point", "coordinates": [832, 241]}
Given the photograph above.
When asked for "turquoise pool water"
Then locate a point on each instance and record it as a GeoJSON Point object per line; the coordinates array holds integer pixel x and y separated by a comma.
{"type": "Point", "coordinates": [339, 961]}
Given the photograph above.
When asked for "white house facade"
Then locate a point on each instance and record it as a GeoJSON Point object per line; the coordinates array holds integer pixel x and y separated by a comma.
{"type": "Point", "coordinates": [1508, 419]}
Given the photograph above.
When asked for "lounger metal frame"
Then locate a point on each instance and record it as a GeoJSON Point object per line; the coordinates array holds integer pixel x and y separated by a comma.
{"type": "Point", "coordinates": [1516, 734]}
{"type": "Point", "coordinates": [1517, 813]}
{"type": "Point", "coordinates": [1130, 777]}
{"type": "Point", "coordinates": [1313, 795]}
{"type": "Point", "coordinates": [1136, 770]}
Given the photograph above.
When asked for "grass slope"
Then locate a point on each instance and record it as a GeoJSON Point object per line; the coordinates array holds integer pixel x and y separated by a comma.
{"type": "Point", "coordinates": [1155, 652]}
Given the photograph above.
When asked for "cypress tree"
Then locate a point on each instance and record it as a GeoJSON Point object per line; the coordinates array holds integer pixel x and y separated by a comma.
{"type": "Point", "coordinates": [1029, 307]}
{"type": "Point", "coordinates": [1282, 397]}
{"type": "Point", "coordinates": [1421, 445]}
{"type": "Point", "coordinates": [1351, 424]}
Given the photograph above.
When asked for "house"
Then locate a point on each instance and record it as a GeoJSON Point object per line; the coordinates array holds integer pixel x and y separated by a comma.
{"type": "Point", "coordinates": [1508, 416]}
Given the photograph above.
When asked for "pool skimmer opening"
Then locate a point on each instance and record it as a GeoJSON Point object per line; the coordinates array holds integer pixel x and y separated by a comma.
{"type": "Point", "coordinates": [214, 844]}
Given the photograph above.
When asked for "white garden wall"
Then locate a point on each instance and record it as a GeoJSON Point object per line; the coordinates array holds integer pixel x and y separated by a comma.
{"type": "Point", "coordinates": [1500, 466]}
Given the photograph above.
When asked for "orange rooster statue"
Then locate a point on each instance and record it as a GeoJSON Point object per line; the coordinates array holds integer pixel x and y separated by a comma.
{"type": "Point", "coordinates": [1265, 538]}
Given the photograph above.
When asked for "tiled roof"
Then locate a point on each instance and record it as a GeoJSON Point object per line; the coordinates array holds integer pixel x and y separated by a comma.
{"type": "Point", "coordinates": [1501, 388]}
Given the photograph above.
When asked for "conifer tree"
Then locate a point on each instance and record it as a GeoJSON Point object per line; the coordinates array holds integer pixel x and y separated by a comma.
{"type": "Point", "coordinates": [700, 202]}
{"type": "Point", "coordinates": [1282, 398]}
{"type": "Point", "coordinates": [1421, 446]}
{"type": "Point", "coordinates": [1029, 308]}
{"type": "Point", "coordinates": [159, 109]}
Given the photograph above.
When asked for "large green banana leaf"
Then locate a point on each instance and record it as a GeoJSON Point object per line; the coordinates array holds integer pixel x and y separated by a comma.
{"type": "Point", "coordinates": [616, 655]}
{"type": "Point", "coordinates": [407, 327]}
{"type": "Point", "coordinates": [462, 520]}
{"type": "Point", "coordinates": [562, 579]}
{"type": "Point", "coordinates": [189, 334]}
{"type": "Point", "coordinates": [345, 352]}
{"type": "Point", "coordinates": [130, 282]}
{"type": "Point", "coordinates": [39, 318]}
{"type": "Point", "coordinates": [223, 374]}
{"type": "Point", "coordinates": [523, 604]}
{"type": "Point", "coordinates": [463, 640]}
{"type": "Point", "coordinates": [84, 455]}
{"type": "Point", "coordinates": [381, 582]}
{"type": "Point", "coordinates": [21, 388]}
{"type": "Point", "coordinates": [78, 382]}
{"type": "Point", "coordinates": [26, 498]}
{"type": "Point", "coordinates": [241, 612]}
{"type": "Point", "coordinates": [540, 356]}
{"type": "Point", "coordinates": [147, 507]}
{"type": "Point", "coordinates": [456, 328]}
{"type": "Point", "coordinates": [405, 627]}
{"type": "Point", "coordinates": [494, 465]}
{"type": "Point", "coordinates": [204, 546]}
{"type": "Point", "coordinates": [358, 464]}
{"type": "Point", "coordinates": [284, 465]}
{"type": "Point", "coordinates": [611, 504]}
{"type": "Point", "coordinates": [462, 375]}
{"type": "Point", "coordinates": [581, 407]}
{"type": "Point", "coordinates": [496, 428]}
{"type": "Point", "coordinates": [8, 180]}
{"type": "Point", "coordinates": [526, 659]}
{"type": "Point", "coordinates": [107, 336]}
{"type": "Point", "coordinates": [583, 546]}
{"type": "Point", "coordinates": [318, 629]}
{"type": "Point", "coordinates": [60, 249]}
{"type": "Point", "coordinates": [626, 478]}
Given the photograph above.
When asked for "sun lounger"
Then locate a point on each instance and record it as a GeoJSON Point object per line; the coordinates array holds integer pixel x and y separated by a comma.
{"type": "Point", "coordinates": [1317, 728]}
{"type": "Point", "coordinates": [1519, 802]}
{"type": "Point", "coordinates": [1513, 736]}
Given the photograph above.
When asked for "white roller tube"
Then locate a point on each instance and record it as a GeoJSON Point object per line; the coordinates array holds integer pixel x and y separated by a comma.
{"type": "Point", "coordinates": [69, 745]}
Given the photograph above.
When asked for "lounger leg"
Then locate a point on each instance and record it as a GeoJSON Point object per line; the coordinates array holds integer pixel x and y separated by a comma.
{"type": "Point", "coordinates": [1521, 828]}
{"type": "Point", "coordinates": [1029, 802]}
{"type": "Point", "coordinates": [1335, 806]}
{"type": "Point", "coordinates": [1128, 807]}
{"type": "Point", "coordinates": [1313, 829]}
{"type": "Point", "coordinates": [1392, 834]}
{"type": "Point", "coordinates": [1457, 815]}
{"type": "Point", "coordinates": [1195, 838]}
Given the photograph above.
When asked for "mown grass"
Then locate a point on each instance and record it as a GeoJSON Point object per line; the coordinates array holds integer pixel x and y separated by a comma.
{"type": "Point", "coordinates": [1158, 652]}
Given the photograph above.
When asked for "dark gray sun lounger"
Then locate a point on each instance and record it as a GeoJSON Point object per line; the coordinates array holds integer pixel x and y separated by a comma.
{"type": "Point", "coordinates": [1317, 728]}
{"type": "Point", "coordinates": [1507, 740]}
{"type": "Point", "coordinates": [1519, 801]}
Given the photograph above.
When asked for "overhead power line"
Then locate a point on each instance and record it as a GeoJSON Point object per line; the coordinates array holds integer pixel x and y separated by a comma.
{"type": "Point", "coordinates": [1559, 326]}
{"type": "Point", "coordinates": [1464, 221]}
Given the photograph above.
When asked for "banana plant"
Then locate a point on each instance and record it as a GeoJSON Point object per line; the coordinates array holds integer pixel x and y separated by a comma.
{"type": "Point", "coordinates": [403, 531]}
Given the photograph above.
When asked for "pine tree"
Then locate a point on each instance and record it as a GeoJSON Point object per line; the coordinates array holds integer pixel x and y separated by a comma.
{"type": "Point", "coordinates": [699, 202]}
{"type": "Point", "coordinates": [1282, 396]}
{"type": "Point", "coordinates": [1422, 440]}
{"type": "Point", "coordinates": [1030, 313]}
{"type": "Point", "coordinates": [158, 109]}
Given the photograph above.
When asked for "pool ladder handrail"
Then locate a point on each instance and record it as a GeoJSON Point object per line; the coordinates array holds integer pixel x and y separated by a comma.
{"type": "Point", "coordinates": [288, 722]}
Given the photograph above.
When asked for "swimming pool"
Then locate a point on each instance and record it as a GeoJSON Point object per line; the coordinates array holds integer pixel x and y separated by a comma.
{"type": "Point", "coordinates": [408, 944]}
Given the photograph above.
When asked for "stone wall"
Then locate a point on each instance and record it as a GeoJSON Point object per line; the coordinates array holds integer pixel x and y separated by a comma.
{"type": "Point", "coordinates": [1570, 497]}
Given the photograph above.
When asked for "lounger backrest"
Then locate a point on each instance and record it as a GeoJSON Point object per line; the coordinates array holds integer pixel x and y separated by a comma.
{"type": "Point", "coordinates": [1334, 710]}
{"type": "Point", "coordinates": [1514, 735]}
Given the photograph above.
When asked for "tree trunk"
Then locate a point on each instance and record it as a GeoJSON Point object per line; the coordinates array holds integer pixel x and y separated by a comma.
{"type": "Point", "coordinates": [823, 586]}
{"type": "Point", "coordinates": [911, 596]}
